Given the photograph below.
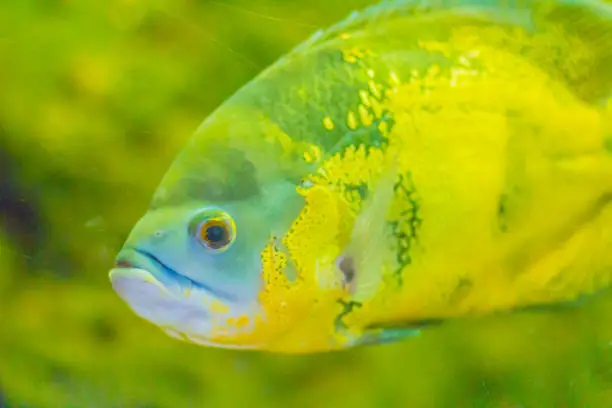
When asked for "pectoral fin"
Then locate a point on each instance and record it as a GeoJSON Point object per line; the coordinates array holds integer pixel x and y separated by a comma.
{"type": "Point", "coordinates": [394, 332]}
{"type": "Point", "coordinates": [365, 253]}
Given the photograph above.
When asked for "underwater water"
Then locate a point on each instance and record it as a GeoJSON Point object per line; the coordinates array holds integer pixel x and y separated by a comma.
{"type": "Point", "coordinates": [96, 99]}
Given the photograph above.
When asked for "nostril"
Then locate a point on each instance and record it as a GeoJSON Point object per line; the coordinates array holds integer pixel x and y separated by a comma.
{"type": "Point", "coordinates": [158, 236]}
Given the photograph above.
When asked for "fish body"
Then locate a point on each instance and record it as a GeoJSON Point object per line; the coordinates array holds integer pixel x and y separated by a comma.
{"type": "Point", "coordinates": [416, 162]}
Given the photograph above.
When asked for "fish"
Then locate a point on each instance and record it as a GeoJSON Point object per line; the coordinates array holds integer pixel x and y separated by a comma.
{"type": "Point", "coordinates": [416, 163]}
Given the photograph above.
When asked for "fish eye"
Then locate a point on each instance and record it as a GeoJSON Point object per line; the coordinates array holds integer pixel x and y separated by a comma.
{"type": "Point", "coordinates": [215, 230]}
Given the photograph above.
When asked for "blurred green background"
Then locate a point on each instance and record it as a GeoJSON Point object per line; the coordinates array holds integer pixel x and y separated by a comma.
{"type": "Point", "coordinates": [96, 98]}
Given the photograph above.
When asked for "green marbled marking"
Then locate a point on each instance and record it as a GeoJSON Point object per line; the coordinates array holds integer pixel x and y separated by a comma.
{"type": "Point", "coordinates": [348, 307]}
{"type": "Point", "coordinates": [405, 230]}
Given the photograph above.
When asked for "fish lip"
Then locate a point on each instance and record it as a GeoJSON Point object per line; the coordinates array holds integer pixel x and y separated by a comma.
{"type": "Point", "coordinates": [130, 260]}
{"type": "Point", "coordinates": [124, 271]}
{"type": "Point", "coordinates": [136, 258]}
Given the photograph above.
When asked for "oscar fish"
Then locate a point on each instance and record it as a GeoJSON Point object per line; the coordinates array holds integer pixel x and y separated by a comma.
{"type": "Point", "coordinates": [414, 163]}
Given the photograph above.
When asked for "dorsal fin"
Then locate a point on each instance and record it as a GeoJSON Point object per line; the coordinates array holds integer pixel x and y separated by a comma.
{"type": "Point", "coordinates": [386, 9]}
{"type": "Point", "coordinates": [588, 21]}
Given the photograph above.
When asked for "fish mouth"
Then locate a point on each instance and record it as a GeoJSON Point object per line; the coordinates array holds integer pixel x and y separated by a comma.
{"type": "Point", "coordinates": [131, 258]}
{"type": "Point", "coordinates": [133, 261]}
{"type": "Point", "coordinates": [157, 293]}
{"type": "Point", "coordinates": [151, 290]}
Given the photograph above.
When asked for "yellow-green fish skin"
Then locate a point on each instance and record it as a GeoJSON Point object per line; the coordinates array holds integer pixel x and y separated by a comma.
{"type": "Point", "coordinates": [493, 122]}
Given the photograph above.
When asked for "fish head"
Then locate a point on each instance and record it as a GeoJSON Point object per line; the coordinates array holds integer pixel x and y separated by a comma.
{"type": "Point", "coordinates": [187, 270]}
{"type": "Point", "coordinates": [232, 253]}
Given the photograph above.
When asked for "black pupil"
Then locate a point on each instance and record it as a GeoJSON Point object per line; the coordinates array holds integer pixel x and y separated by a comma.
{"type": "Point", "coordinates": [216, 234]}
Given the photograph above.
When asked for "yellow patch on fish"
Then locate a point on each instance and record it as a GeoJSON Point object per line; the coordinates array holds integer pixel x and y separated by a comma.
{"type": "Point", "coordinates": [216, 306]}
{"type": "Point", "coordinates": [328, 123]}
{"type": "Point", "coordinates": [365, 116]}
{"type": "Point", "coordinates": [353, 55]}
{"type": "Point", "coordinates": [313, 248]}
{"type": "Point", "coordinates": [284, 301]}
{"type": "Point", "coordinates": [365, 99]}
{"type": "Point", "coordinates": [351, 120]}
{"type": "Point", "coordinates": [466, 114]}
{"type": "Point", "coordinates": [314, 242]}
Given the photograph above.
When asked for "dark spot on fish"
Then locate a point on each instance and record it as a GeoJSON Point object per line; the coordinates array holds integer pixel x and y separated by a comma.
{"type": "Point", "coordinates": [347, 267]}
